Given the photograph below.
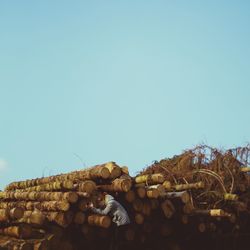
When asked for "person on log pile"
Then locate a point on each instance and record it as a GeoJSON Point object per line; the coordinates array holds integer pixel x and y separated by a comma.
{"type": "Point", "coordinates": [118, 214]}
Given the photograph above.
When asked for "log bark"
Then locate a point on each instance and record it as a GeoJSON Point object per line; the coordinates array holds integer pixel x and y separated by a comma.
{"type": "Point", "coordinates": [87, 186]}
{"type": "Point", "coordinates": [230, 197]}
{"type": "Point", "coordinates": [71, 197]}
{"type": "Point", "coordinates": [118, 185]}
{"type": "Point", "coordinates": [98, 171]}
{"type": "Point", "coordinates": [63, 219]}
{"type": "Point", "coordinates": [79, 218]}
{"type": "Point", "coordinates": [183, 196]}
{"type": "Point", "coordinates": [139, 218]}
{"type": "Point", "coordinates": [137, 205]}
{"type": "Point", "coordinates": [53, 186]}
{"type": "Point", "coordinates": [41, 245]}
{"type": "Point", "coordinates": [188, 208]}
{"type": "Point", "coordinates": [7, 214]}
{"type": "Point", "coordinates": [150, 179]}
{"type": "Point", "coordinates": [114, 169]}
{"type": "Point", "coordinates": [153, 193]}
{"type": "Point", "coordinates": [32, 205]}
{"type": "Point", "coordinates": [22, 231]}
{"type": "Point", "coordinates": [245, 169]}
{"type": "Point", "coordinates": [168, 208]}
{"type": "Point", "coordinates": [130, 196]}
{"type": "Point", "coordinates": [196, 185]}
{"type": "Point", "coordinates": [146, 208]}
{"type": "Point", "coordinates": [141, 192]}
{"type": "Point", "coordinates": [212, 213]}
{"type": "Point", "coordinates": [99, 220]}
{"type": "Point", "coordinates": [33, 217]}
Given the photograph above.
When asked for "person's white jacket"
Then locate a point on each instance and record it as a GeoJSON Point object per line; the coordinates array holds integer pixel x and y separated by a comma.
{"type": "Point", "coordinates": [115, 210]}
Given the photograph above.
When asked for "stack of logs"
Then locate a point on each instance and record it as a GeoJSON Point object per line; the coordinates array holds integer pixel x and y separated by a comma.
{"type": "Point", "coordinates": [169, 208]}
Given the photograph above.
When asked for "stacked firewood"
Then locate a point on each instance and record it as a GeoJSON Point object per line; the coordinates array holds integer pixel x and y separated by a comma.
{"type": "Point", "coordinates": [190, 201]}
{"type": "Point", "coordinates": [36, 214]}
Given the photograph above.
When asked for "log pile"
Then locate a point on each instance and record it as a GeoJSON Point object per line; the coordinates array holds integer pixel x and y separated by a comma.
{"type": "Point", "coordinates": [197, 200]}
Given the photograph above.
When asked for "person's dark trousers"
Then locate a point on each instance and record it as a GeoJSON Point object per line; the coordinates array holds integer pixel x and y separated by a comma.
{"type": "Point", "coordinates": [118, 237]}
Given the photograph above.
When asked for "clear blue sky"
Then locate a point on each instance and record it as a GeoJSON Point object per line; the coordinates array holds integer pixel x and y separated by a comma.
{"type": "Point", "coordinates": [129, 81]}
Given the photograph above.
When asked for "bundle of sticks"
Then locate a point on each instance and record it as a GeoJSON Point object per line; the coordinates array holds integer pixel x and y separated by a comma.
{"type": "Point", "coordinates": [199, 196]}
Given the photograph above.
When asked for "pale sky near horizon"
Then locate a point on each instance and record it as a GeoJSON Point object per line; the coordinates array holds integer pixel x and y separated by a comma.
{"type": "Point", "coordinates": [85, 82]}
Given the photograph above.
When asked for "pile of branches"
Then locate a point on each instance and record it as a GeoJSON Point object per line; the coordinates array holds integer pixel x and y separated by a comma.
{"type": "Point", "coordinates": [196, 200]}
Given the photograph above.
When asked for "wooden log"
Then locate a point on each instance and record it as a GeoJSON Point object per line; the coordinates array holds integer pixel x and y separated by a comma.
{"type": "Point", "coordinates": [196, 185]}
{"type": "Point", "coordinates": [4, 215]}
{"type": "Point", "coordinates": [114, 169]}
{"type": "Point", "coordinates": [99, 220]}
{"type": "Point", "coordinates": [22, 231]}
{"type": "Point", "coordinates": [118, 185]}
{"type": "Point", "coordinates": [141, 192]}
{"type": "Point", "coordinates": [15, 244]}
{"type": "Point", "coordinates": [7, 214]}
{"type": "Point", "coordinates": [201, 227]}
{"type": "Point", "coordinates": [63, 219]}
{"type": "Point", "coordinates": [83, 204]}
{"type": "Point", "coordinates": [167, 185]}
{"type": "Point", "coordinates": [150, 179]}
{"type": "Point", "coordinates": [168, 208]}
{"type": "Point", "coordinates": [154, 203]}
{"type": "Point", "coordinates": [183, 196]}
{"type": "Point", "coordinates": [139, 218]}
{"type": "Point", "coordinates": [87, 186]}
{"type": "Point", "coordinates": [153, 193]}
{"type": "Point", "coordinates": [87, 230]}
{"type": "Point", "coordinates": [33, 217]}
{"type": "Point", "coordinates": [137, 205]}
{"type": "Point", "coordinates": [53, 186]}
{"type": "Point", "coordinates": [71, 197]}
{"type": "Point", "coordinates": [41, 245]}
{"type": "Point", "coordinates": [230, 197]}
{"type": "Point", "coordinates": [83, 194]}
{"type": "Point", "coordinates": [43, 206]}
{"type": "Point", "coordinates": [146, 208]}
{"type": "Point", "coordinates": [159, 187]}
{"type": "Point", "coordinates": [98, 171]}
{"type": "Point", "coordinates": [23, 246]}
{"type": "Point", "coordinates": [124, 170]}
{"type": "Point", "coordinates": [16, 213]}
{"type": "Point", "coordinates": [79, 218]}
{"type": "Point", "coordinates": [38, 233]}
{"type": "Point", "coordinates": [56, 230]}
{"type": "Point", "coordinates": [130, 196]}
{"type": "Point", "coordinates": [53, 240]}
{"type": "Point", "coordinates": [188, 208]}
{"type": "Point", "coordinates": [212, 212]}
{"type": "Point", "coordinates": [245, 169]}
{"type": "Point", "coordinates": [39, 196]}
